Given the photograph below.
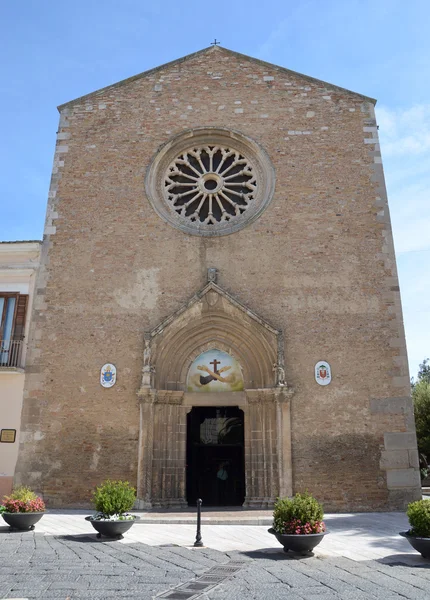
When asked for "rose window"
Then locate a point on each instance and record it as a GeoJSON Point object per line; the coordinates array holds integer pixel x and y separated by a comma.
{"type": "Point", "coordinates": [210, 181]}
{"type": "Point", "coordinates": [210, 184]}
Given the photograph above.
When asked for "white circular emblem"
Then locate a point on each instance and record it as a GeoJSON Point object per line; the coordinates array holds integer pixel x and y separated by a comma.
{"type": "Point", "coordinates": [322, 373]}
{"type": "Point", "coordinates": [108, 375]}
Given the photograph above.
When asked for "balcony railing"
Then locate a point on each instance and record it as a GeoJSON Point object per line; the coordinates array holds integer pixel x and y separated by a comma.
{"type": "Point", "coordinates": [10, 353]}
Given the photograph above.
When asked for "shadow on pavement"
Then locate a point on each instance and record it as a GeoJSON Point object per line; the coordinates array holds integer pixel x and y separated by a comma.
{"type": "Point", "coordinates": [276, 554]}
{"type": "Point", "coordinates": [6, 529]}
{"type": "Point", "coordinates": [405, 560]}
{"type": "Point", "coordinates": [84, 538]}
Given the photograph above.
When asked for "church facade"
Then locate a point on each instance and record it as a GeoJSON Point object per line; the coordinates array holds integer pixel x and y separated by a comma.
{"type": "Point", "coordinates": [217, 311]}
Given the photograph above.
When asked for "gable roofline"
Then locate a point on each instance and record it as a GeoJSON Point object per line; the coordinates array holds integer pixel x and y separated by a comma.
{"type": "Point", "coordinates": [203, 51]}
{"type": "Point", "coordinates": [210, 286]}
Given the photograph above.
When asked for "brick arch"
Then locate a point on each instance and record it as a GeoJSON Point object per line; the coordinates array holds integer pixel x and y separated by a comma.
{"type": "Point", "coordinates": [252, 345]}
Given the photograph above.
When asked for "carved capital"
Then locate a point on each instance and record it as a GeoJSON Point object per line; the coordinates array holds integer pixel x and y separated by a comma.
{"type": "Point", "coordinates": [284, 394]}
{"type": "Point", "coordinates": [169, 397]}
{"type": "Point", "coordinates": [260, 396]}
{"type": "Point", "coordinates": [146, 395]}
{"type": "Point", "coordinates": [268, 395]}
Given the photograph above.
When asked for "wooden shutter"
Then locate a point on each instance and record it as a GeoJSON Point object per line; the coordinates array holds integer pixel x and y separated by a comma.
{"type": "Point", "coordinates": [21, 313]}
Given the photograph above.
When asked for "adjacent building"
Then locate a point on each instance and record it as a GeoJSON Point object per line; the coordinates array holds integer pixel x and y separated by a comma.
{"type": "Point", "coordinates": [18, 266]}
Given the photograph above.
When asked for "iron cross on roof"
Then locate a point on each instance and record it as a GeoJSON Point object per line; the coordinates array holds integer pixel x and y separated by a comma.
{"type": "Point", "coordinates": [215, 43]}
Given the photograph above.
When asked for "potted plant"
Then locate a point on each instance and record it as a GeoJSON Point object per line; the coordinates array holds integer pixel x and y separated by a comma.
{"type": "Point", "coordinates": [298, 523]}
{"type": "Point", "coordinates": [112, 501]}
{"type": "Point", "coordinates": [22, 509]}
{"type": "Point", "coordinates": [419, 533]}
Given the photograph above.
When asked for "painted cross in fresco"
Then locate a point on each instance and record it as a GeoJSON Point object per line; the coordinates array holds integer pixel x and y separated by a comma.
{"type": "Point", "coordinates": [212, 375]}
{"type": "Point", "coordinates": [215, 363]}
{"type": "Point", "coordinates": [221, 373]}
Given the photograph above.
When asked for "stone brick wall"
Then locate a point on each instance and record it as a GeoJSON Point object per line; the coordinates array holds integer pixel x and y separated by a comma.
{"type": "Point", "coordinates": [318, 264]}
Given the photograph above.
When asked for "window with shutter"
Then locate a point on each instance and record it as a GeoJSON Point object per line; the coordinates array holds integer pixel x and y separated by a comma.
{"type": "Point", "coordinates": [13, 310]}
{"type": "Point", "coordinates": [20, 315]}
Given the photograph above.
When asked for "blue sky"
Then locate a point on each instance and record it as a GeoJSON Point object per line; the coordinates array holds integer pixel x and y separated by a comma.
{"type": "Point", "coordinates": [53, 52]}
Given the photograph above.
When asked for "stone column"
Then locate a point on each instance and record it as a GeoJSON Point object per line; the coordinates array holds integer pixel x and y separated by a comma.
{"type": "Point", "coordinates": [169, 450]}
{"type": "Point", "coordinates": [268, 464]}
{"type": "Point", "coordinates": [261, 449]}
{"type": "Point", "coordinates": [146, 432]}
{"type": "Point", "coordinates": [283, 417]}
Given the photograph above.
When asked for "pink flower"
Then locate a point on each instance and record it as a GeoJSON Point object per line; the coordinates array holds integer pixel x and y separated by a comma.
{"type": "Point", "coordinates": [19, 506]}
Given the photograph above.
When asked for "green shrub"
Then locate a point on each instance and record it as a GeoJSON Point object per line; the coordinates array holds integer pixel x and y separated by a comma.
{"type": "Point", "coordinates": [301, 514]}
{"type": "Point", "coordinates": [22, 494]}
{"type": "Point", "coordinates": [114, 497]}
{"type": "Point", "coordinates": [419, 518]}
{"type": "Point", "coordinates": [22, 500]}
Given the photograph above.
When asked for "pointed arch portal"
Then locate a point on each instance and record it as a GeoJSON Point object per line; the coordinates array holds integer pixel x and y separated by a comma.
{"type": "Point", "coordinates": [212, 361]}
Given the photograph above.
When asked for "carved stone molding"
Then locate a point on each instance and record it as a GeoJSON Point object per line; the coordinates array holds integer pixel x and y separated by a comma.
{"type": "Point", "coordinates": [146, 395]}
{"type": "Point", "coordinates": [267, 395]}
{"type": "Point", "coordinates": [284, 394]}
{"type": "Point", "coordinates": [212, 275]}
{"type": "Point", "coordinates": [169, 397]}
{"type": "Point", "coordinates": [210, 181]}
{"type": "Point", "coordinates": [213, 319]}
{"type": "Point", "coordinates": [260, 396]}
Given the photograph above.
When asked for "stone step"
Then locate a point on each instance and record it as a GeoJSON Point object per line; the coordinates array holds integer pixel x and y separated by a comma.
{"type": "Point", "coordinates": [209, 517]}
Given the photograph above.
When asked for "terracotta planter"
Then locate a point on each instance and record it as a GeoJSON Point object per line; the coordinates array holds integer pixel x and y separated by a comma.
{"type": "Point", "coordinates": [112, 529]}
{"type": "Point", "coordinates": [421, 545]}
{"type": "Point", "coordinates": [302, 543]}
{"type": "Point", "coordinates": [22, 521]}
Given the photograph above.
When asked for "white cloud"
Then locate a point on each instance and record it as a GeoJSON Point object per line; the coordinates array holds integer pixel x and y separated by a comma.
{"type": "Point", "coordinates": [410, 215]}
{"type": "Point", "coordinates": [405, 131]}
{"type": "Point", "coordinates": [405, 145]}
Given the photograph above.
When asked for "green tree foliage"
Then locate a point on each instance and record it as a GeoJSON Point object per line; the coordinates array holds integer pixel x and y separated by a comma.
{"type": "Point", "coordinates": [423, 373]}
{"type": "Point", "coordinates": [421, 399]}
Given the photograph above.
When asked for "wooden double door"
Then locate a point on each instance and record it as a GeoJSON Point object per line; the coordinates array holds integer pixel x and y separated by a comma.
{"type": "Point", "coordinates": [215, 464]}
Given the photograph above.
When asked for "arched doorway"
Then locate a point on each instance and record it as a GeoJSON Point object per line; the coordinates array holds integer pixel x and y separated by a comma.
{"type": "Point", "coordinates": [213, 354]}
{"type": "Point", "coordinates": [215, 469]}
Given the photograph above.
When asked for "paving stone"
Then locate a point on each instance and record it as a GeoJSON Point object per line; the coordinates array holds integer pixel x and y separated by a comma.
{"type": "Point", "coordinates": [45, 567]}
{"type": "Point", "coordinates": [237, 591]}
{"type": "Point", "coordinates": [68, 585]}
{"type": "Point", "coordinates": [291, 577]}
{"type": "Point", "coordinates": [398, 586]}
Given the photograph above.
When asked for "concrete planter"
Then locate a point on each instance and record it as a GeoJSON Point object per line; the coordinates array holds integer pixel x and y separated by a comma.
{"type": "Point", "coordinates": [302, 543]}
{"type": "Point", "coordinates": [421, 545]}
{"type": "Point", "coordinates": [112, 529]}
{"type": "Point", "coordinates": [22, 521]}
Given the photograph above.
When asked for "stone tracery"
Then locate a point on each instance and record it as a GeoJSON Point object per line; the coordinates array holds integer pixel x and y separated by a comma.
{"type": "Point", "coordinates": [210, 184]}
{"type": "Point", "coordinates": [210, 181]}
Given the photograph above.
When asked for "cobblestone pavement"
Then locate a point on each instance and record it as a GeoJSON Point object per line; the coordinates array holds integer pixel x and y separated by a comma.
{"type": "Point", "coordinates": [78, 567]}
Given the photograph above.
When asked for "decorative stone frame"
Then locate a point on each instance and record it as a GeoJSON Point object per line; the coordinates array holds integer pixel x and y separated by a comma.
{"type": "Point", "coordinates": [262, 168]}
{"type": "Point", "coordinates": [251, 347]}
{"type": "Point", "coordinates": [170, 348]}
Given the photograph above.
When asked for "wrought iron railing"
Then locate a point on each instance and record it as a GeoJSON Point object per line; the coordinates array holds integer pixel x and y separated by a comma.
{"type": "Point", "coordinates": [10, 353]}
